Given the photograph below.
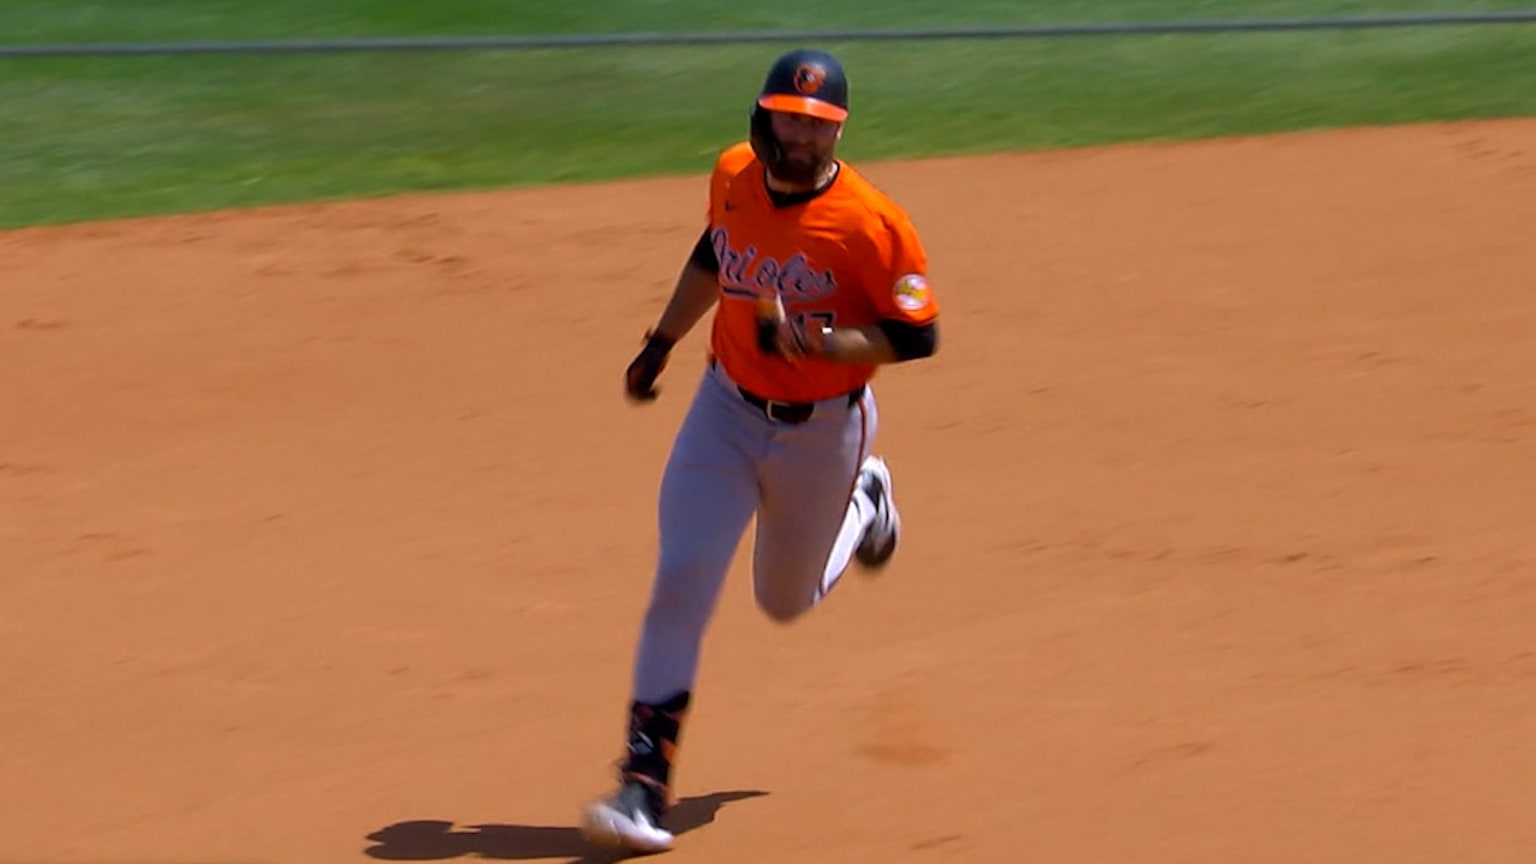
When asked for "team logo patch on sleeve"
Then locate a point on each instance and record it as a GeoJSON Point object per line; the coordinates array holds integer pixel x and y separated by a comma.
{"type": "Point", "coordinates": [912, 293]}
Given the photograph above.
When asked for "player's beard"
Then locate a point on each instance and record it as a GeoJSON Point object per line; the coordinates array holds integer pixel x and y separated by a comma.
{"type": "Point", "coordinates": [802, 167]}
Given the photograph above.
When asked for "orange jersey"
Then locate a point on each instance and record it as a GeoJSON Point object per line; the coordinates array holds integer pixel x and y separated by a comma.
{"type": "Point", "coordinates": [848, 257]}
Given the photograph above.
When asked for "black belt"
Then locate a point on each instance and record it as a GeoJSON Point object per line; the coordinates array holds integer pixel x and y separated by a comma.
{"type": "Point", "coordinates": [791, 412]}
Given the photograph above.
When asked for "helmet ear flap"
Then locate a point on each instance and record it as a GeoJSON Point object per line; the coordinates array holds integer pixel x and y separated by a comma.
{"type": "Point", "coordinates": [764, 143]}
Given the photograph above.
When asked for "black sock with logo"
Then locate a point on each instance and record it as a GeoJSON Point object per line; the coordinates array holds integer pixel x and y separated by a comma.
{"type": "Point", "coordinates": [654, 729]}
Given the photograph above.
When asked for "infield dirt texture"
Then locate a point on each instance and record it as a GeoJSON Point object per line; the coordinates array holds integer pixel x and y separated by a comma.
{"type": "Point", "coordinates": [327, 531]}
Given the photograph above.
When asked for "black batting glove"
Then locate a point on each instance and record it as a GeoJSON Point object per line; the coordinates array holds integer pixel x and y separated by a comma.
{"type": "Point", "coordinates": [640, 377]}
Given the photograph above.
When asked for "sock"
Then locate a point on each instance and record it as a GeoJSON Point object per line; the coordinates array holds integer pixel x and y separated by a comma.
{"type": "Point", "coordinates": [654, 729]}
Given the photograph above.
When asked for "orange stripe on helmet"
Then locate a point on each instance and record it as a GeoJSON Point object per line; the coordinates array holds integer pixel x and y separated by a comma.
{"type": "Point", "coordinates": [803, 105]}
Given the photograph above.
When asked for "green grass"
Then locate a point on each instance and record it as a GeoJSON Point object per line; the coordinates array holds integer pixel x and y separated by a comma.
{"type": "Point", "coordinates": [93, 138]}
{"type": "Point", "coordinates": [33, 21]}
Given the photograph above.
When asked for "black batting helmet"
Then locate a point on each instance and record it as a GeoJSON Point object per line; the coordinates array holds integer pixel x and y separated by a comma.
{"type": "Point", "coordinates": [806, 81]}
{"type": "Point", "coordinates": [803, 81]}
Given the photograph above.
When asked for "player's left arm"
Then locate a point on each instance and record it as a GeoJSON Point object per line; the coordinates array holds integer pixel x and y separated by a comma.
{"type": "Point", "coordinates": [908, 328]}
{"type": "Point", "coordinates": [890, 341]}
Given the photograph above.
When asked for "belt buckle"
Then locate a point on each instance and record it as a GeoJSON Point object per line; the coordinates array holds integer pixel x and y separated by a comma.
{"type": "Point", "coordinates": [787, 412]}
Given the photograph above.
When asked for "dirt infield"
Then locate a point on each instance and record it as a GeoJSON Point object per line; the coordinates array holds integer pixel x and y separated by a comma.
{"type": "Point", "coordinates": [325, 531]}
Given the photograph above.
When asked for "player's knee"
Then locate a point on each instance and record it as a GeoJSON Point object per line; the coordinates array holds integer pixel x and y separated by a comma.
{"type": "Point", "coordinates": [782, 608]}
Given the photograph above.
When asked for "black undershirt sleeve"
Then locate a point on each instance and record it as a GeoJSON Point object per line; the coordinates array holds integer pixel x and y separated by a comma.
{"type": "Point", "coordinates": [911, 341]}
{"type": "Point", "coordinates": [704, 253]}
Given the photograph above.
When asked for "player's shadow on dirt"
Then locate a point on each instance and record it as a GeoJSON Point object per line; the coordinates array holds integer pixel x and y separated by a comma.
{"type": "Point", "coordinates": [435, 840]}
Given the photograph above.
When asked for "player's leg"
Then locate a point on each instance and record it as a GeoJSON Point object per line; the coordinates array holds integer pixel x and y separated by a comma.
{"type": "Point", "coordinates": [708, 494]}
{"type": "Point", "coordinates": [820, 508]}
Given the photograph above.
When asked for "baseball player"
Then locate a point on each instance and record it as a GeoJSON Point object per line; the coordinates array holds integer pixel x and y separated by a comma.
{"type": "Point", "coordinates": [819, 279]}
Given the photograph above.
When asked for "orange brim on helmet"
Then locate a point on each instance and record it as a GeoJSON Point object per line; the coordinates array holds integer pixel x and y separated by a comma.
{"type": "Point", "coordinates": [803, 105]}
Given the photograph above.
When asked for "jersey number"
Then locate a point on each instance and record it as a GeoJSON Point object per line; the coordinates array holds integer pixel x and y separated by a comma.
{"type": "Point", "coordinates": [812, 321]}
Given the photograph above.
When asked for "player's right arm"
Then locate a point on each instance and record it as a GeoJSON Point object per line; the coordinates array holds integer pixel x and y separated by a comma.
{"type": "Point", "coordinates": [695, 293]}
{"type": "Point", "coordinates": [698, 286]}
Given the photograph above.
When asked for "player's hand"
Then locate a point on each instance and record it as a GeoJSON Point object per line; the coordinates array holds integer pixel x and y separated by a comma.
{"type": "Point", "coordinates": [796, 340]}
{"type": "Point", "coordinates": [782, 336]}
{"type": "Point", "coordinates": [640, 377]}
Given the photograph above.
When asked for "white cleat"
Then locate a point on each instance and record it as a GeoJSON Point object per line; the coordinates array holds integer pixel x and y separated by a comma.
{"type": "Point", "coordinates": [879, 541]}
{"type": "Point", "coordinates": [627, 821]}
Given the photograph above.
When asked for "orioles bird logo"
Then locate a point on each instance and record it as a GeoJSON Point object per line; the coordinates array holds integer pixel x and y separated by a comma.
{"type": "Point", "coordinates": [808, 79]}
